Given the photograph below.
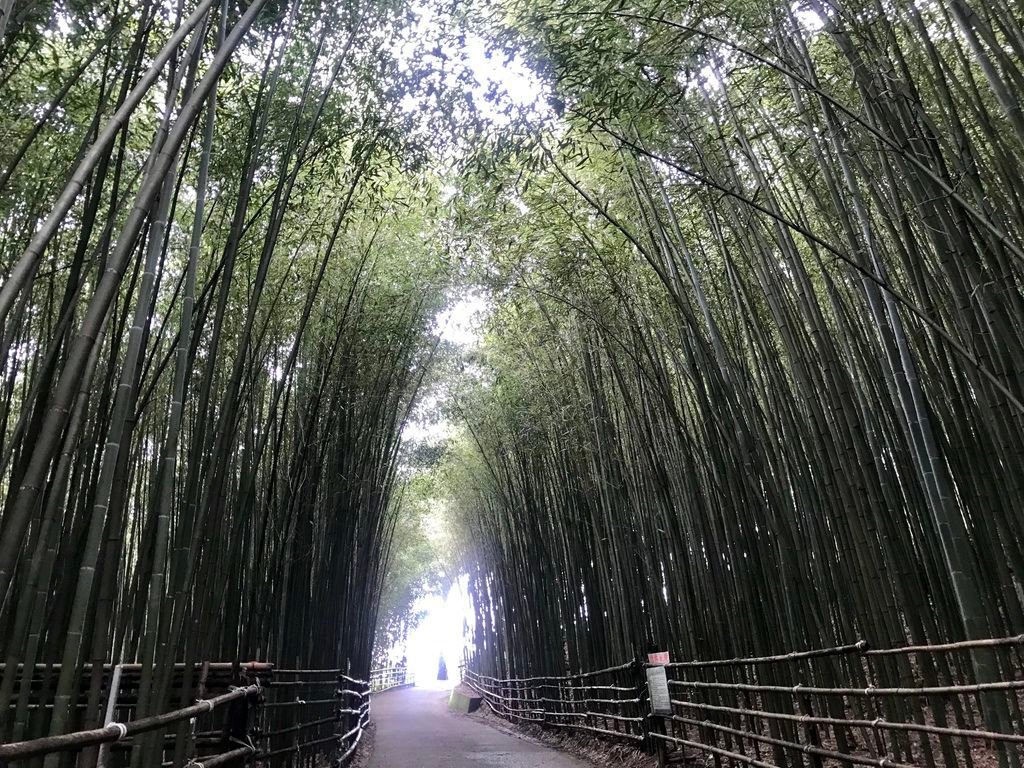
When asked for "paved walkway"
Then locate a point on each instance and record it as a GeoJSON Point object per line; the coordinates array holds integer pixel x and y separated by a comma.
{"type": "Point", "coordinates": [416, 730]}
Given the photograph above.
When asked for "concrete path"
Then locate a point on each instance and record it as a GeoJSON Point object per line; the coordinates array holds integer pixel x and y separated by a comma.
{"type": "Point", "coordinates": [416, 730]}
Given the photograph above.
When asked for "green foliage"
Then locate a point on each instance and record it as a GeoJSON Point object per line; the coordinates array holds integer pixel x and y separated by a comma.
{"type": "Point", "coordinates": [756, 324]}
{"type": "Point", "coordinates": [420, 561]}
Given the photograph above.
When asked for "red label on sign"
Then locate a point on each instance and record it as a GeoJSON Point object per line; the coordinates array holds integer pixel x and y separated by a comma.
{"type": "Point", "coordinates": [661, 658]}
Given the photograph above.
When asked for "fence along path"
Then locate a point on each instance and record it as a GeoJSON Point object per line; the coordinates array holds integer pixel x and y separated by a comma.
{"type": "Point", "coordinates": [849, 705]}
{"type": "Point", "coordinates": [240, 712]}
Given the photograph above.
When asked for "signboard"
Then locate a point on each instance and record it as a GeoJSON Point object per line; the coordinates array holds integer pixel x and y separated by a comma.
{"type": "Point", "coordinates": [658, 657]}
{"type": "Point", "coordinates": [657, 689]}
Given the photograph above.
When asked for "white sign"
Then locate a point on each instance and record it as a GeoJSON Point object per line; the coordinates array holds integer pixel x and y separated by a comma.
{"type": "Point", "coordinates": [657, 689]}
{"type": "Point", "coordinates": [658, 657]}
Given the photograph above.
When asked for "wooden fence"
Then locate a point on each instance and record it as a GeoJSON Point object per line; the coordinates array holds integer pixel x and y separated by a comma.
{"type": "Point", "coordinates": [849, 706]}
{"type": "Point", "coordinates": [252, 712]}
{"type": "Point", "coordinates": [610, 702]}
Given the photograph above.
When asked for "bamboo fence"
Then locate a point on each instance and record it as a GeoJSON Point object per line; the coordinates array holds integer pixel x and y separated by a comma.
{"type": "Point", "coordinates": [847, 705]}
{"type": "Point", "coordinates": [253, 712]}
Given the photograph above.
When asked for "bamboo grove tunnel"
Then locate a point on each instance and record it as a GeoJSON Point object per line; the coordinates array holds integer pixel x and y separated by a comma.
{"type": "Point", "coordinates": [645, 327]}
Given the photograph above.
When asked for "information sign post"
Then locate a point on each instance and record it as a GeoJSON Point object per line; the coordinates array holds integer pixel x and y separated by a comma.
{"type": "Point", "coordinates": [657, 689]}
{"type": "Point", "coordinates": [659, 697]}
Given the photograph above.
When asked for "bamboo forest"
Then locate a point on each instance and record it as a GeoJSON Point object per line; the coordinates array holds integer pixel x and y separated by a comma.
{"type": "Point", "coordinates": [684, 341]}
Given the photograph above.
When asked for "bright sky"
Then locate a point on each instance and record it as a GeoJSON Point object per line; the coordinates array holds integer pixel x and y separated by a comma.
{"type": "Point", "coordinates": [462, 322]}
{"type": "Point", "coordinates": [440, 633]}
{"type": "Point", "coordinates": [499, 81]}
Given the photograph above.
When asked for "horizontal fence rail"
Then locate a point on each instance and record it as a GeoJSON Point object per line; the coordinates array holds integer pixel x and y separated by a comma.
{"type": "Point", "coordinates": [309, 712]}
{"type": "Point", "coordinates": [116, 731]}
{"type": "Point", "coordinates": [233, 713]}
{"type": "Point", "coordinates": [609, 702]}
{"type": "Point", "coordinates": [849, 705]}
{"type": "Point", "coordinates": [392, 676]}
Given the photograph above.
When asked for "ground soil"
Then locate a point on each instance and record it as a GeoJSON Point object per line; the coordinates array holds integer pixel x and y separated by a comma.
{"type": "Point", "coordinates": [365, 749]}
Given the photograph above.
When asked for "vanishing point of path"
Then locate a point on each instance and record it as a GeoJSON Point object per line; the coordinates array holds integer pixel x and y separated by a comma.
{"type": "Point", "coordinates": [416, 730]}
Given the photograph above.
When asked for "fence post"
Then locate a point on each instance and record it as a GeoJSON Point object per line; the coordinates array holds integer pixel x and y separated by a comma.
{"type": "Point", "coordinates": [253, 717]}
{"type": "Point", "coordinates": [343, 716]}
{"type": "Point", "coordinates": [238, 719]}
{"type": "Point", "coordinates": [113, 693]}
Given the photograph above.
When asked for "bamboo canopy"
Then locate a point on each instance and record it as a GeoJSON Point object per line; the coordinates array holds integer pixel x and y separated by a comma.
{"type": "Point", "coordinates": [749, 385]}
{"type": "Point", "coordinates": [213, 323]}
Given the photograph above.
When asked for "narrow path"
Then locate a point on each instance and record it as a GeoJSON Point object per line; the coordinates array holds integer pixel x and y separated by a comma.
{"type": "Point", "coordinates": [416, 730]}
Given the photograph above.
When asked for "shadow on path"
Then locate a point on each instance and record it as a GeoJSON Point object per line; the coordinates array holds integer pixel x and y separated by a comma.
{"type": "Point", "coordinates": [416, 730]}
